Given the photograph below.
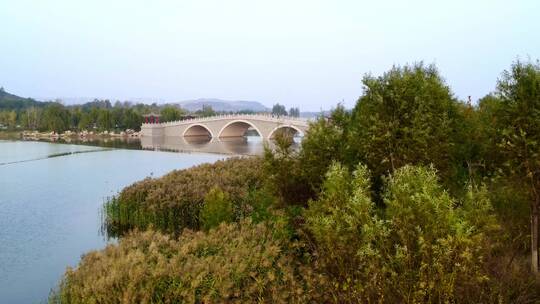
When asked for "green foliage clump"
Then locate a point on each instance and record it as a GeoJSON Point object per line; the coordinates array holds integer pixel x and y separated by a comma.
{"type": "Point", "coordinates": [234, 263]}
{"type": "Point", "coordinates": [217, 208]}
{"type": "Point", "coordinates": [283, 172]}
{"type": "Point", "coordinates": [420, 248]}
{"type": "Point", "coordinates": [519, 137]}
{"type": "Point", "coordinates": [258, 205]}
{"type": "Point", "coordinates": [406, 116]}
{"type": "Point", "coordinates": [174, 201]}
{"type": "Point", "coordinates": [279, 110]}
{"type": "Point", "coordinates": [324, 142]}
{"type": "Point", "coordinates": [171, 113]}
{"type": "Point", "coordinates": [55, 118]}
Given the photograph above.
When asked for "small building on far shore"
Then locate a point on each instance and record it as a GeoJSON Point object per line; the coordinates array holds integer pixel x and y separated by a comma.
{"type": "Point", "coordinates": [151, 118]}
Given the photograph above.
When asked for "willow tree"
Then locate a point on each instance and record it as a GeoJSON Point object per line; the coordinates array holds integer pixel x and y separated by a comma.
{"type": "Point", "coordinates": [519, 135]}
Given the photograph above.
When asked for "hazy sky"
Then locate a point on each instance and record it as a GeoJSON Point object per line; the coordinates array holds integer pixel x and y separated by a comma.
{"type": "Point", "coordinates": [311, 54]}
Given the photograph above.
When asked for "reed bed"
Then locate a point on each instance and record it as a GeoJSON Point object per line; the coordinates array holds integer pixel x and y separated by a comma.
{"type": "Point", "coordinates": [173, 202]}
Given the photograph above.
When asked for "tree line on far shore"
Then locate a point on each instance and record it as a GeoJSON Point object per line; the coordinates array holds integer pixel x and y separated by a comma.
{"type": "Point", "coordinates": [26, 114]}
{"type": "Point", "coordinates": [96, 115]}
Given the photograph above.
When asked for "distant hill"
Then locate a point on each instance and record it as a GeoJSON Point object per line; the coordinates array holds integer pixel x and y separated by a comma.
{"type": "Point", "coordinates": [223, 105]}
{"type": "Point", "coordinates": [13, 102]}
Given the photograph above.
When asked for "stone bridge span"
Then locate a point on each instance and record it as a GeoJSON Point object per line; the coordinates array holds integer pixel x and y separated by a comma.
{"type": "Point", "coordinates": [222, 126]}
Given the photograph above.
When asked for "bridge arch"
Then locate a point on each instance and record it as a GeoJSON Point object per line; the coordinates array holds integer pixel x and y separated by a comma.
{"type": "Point", "coordinates": [237, 128]}
{"type": "Point", "coordinates": [198, 130]}
{"type": "Point", "coordinates": [285, 128]}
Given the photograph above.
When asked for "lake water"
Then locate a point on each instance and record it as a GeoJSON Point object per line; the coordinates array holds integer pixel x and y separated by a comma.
{"type": "Point", "coordinates": [50, 200]}
{"type": "Point", "coordinates": [248, 145]}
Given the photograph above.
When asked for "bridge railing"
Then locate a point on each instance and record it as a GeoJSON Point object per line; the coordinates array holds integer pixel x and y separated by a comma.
{"type": "Point", "coordinates": [267, 117]}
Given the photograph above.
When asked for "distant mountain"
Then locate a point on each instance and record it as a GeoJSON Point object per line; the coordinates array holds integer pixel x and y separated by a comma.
{"type": "Point", "coordinates": [13, 102]}
{"type": "Point", "coordinates": [223, 105]}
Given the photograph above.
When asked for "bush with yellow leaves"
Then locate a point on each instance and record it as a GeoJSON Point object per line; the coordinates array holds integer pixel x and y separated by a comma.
{"type": "Point", "coordinates": [236, 263]}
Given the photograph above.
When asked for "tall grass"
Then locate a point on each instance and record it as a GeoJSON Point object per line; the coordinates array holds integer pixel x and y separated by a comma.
{"type": "Point", "coordinates": [234, 263]}
{"type": "Point", "coordinates": [174, 201]}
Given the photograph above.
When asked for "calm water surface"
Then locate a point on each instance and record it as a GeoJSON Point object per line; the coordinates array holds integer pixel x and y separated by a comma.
{"type": "Point", "coordinates": [50, 198]}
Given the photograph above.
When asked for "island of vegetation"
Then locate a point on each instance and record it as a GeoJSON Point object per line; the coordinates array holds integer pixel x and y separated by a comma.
{"type": "Point", "coordinates": [411, 197]}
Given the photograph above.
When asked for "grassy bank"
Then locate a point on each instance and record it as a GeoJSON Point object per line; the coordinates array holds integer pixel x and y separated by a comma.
{"type": "Point", "coordinates": [174, 201]}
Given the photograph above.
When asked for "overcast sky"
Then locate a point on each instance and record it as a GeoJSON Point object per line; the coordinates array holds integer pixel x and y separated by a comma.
{"type": "Point", "coordinates": [311, 54]}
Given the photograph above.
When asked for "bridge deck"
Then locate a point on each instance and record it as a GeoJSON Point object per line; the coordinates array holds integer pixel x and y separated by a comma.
{"type": "Point", "coordinates": [231, 125]}
{"type": "Point", "coordinates": [262, 117]}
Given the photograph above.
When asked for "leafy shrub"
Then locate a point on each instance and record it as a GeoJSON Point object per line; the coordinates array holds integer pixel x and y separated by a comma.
{"type": "Point", "coordinates": [283, 173]}
{"type": "Point", "coordinates": [421, 248]}
{"type": "Point", "coordinates": [173, 202]}
{"type": "Point", "coordinates": [258, 204]}
{"type": "Point", "coordinates": [322, 144]}
{"type": "Point", "coordinates": [217, 209]}
{"type": "Point", "coordinates": [237, 263]}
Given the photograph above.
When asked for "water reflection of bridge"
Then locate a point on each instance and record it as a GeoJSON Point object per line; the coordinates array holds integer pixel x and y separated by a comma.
{"type": "Point", "coordinates": [250, 145]}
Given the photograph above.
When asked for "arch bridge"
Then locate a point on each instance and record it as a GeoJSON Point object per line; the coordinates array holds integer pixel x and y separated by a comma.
{"type": "Point", "coordinates": [223, 126]}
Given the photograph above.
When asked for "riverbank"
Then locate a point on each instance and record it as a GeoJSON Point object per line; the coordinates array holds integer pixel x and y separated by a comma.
{"type": "Point", "coordinates": [81, 134]}
{"type": "Point", "coordinates": [9, 135]}
{"type": "Point", "coordinates": [36, 135]}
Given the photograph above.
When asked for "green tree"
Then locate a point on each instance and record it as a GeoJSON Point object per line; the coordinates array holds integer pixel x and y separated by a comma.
{"type": "Point", "coordinates": [105, 120]}
{"type": "Point", "coordinates": [31, 118]}
{"type": "Point", "coordinates": [279, 110]}
{"type": "Point", "coordinates": [132, 119]}
{"type": "Point", "coordinates": [117, 112]}
{"type": "Point", "coordinates": [323, 144]}
{"type": "Point", "coordinates": [12, 119]}
{"type": "Point", "coordinates": [171, 113]}
{"type": "Point", "coordinates": [76, 115]}
{"type": "Point", "coordinates": [519, 136]}
{"type": "Point", "coordinates": [55, 118]}
{"type": "Point", "coordinates": [206, 111]}
{"type": "Point", "coordinates": [85, 123]}
{"type": "Point", "coordinates": [406, 116]}
{"type": "Point", "coordinates": [294, 112]}
{"type": "Point", "coordinates": [283, 172]}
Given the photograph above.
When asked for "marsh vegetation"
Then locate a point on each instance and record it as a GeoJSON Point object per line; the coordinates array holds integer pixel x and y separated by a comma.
{"type": "Point", "coordinates": [411, 197]}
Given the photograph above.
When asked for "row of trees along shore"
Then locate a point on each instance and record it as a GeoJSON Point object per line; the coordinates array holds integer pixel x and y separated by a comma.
{"type": "Point", "coordinates": [411, 197]}
{"type": "Point", "coordinates": [102, 115]}
{"type": "Point", "coordinates": [98, 114]}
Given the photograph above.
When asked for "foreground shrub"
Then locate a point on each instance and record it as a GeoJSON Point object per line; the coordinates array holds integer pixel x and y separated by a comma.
{"type": "Point", "coordinates": [421, 248]}
{"type": "Point", "coordinates": [173, 202]}
{"type": "Point", "coordinates": [240, 263]}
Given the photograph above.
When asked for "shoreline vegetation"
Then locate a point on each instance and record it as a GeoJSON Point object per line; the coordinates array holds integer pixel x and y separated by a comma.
{"type": "Point", "coordinates": [412, 197]}
{"type": "Point", "coordinates": [36, 135]}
